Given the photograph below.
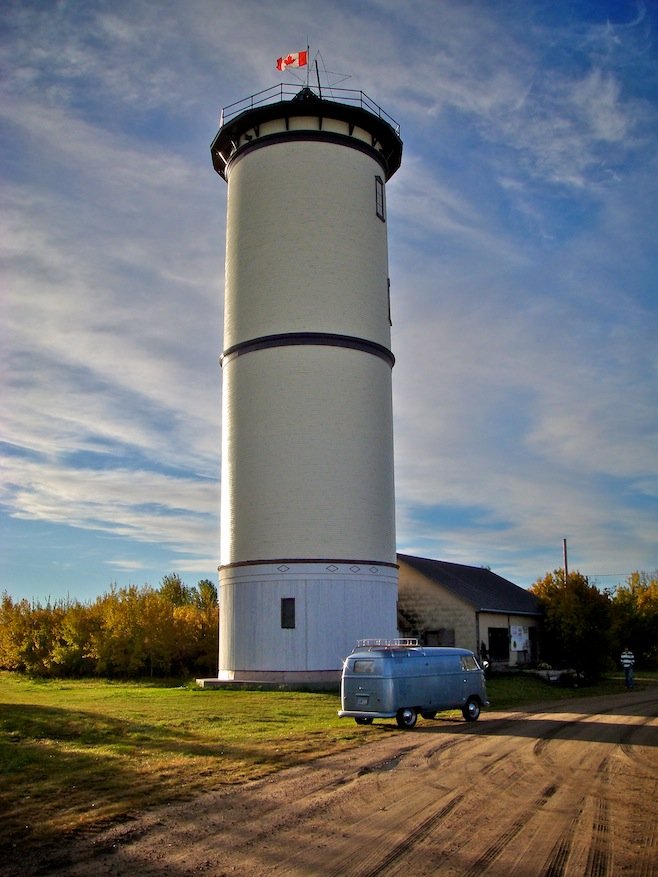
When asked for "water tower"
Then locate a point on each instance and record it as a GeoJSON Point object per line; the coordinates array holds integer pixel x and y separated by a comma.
{"type": "Point", "coordinates": [308, 553]}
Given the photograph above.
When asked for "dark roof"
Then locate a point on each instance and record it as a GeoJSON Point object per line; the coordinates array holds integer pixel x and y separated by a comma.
{"type": "Point", "coordinates": [483, 589]}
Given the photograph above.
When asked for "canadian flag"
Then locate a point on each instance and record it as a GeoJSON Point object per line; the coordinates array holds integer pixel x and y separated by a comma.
{"type": "Point", "coordinates": [294, 59]}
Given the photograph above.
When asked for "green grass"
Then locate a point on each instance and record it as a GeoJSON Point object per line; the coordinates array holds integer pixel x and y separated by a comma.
{"type": "Point", "coordinates": [74, 754]}
{"type": "Point", "coordinates": [516, 690]}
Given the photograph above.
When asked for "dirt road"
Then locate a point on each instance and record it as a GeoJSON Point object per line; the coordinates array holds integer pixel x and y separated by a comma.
{"type": "Point", "coordinates": [570, 791]}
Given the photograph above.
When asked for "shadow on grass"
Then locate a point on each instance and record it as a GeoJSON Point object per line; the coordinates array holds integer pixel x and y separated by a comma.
{"type": "Point", "coordinates": [65, 770]}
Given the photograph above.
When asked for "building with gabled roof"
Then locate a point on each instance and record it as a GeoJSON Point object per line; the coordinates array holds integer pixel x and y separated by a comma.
{"type": "Point", "coordinates": [472, 607]}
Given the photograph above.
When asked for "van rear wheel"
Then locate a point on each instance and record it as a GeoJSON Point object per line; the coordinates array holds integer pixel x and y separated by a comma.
{"type": "Point", "coordinates": [471, 709]}
{"type": "Point", "coordinates": [363, 720]}
{"type": "Point", "coordinates": [406, 718]}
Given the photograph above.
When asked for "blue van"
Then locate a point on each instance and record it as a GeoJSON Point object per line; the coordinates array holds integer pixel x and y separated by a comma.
{"type": "Point", "coordinates": [385, 679]}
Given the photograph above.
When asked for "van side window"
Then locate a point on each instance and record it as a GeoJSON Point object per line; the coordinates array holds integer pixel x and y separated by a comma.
{"type": "Point", "coordinates": [469, 663]}
{"type": "Point", "coordinates": [362, 666]}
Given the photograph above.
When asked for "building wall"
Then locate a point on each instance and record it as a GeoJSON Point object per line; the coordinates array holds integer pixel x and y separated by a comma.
{"type": "Point", "coordinates": [307, 456]}
{"type": "Point", "coordinates": [307, 498]}
{"type": "Point", "coordinates": [307, 430]}
{"type": "Point", "coordinates": [520, 648]}
{"type": "Point", "coordinates": [334, 606]}
{"type": "Point", "coordinates": [305, 249]}
{"type": "Point", "coordinates": [431, 608]}
{"type": "Point", "coordinates": [426, 606]}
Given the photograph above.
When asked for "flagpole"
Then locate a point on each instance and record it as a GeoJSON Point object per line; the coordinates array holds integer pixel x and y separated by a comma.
{"type": "Point", "coordinates": [308, 58]}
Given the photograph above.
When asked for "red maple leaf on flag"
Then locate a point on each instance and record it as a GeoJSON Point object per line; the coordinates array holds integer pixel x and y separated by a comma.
{"type": "Point", "coordinates": [292, 59]}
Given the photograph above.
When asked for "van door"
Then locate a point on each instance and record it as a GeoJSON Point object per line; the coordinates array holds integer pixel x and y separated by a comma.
{"type": "Point", "coordinates": [358, 689]}
{"type": "Point", "coordinates": [471, 678]}
{"type": "Point", "coordinates": [446, 682]}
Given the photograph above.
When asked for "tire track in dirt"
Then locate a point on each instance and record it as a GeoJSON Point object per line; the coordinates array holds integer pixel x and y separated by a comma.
{"type": "Point", "coordinates": [559, 855]}
{"type": "Point", "coordinates": [647, 862]}
{"type": "Point", "coordinates": [597, 857]}
{"type": "Point", "coordinates": [539, 749]}
{"type": "Point", "coordinates": [399, 803]}
{"type": "Point", "coordinates": [494, 850]}
{"type": "Point", "coordinates": [599, 852]}
{"type": "Point", "coordinates": [599, 862]}
{"type": "Point", "coordinates": [420, 832]}
{"type": "Point", "coordinates": [599, 849]}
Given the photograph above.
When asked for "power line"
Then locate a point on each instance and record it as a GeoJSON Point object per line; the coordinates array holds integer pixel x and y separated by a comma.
{"type": "Point", "coordinates": [608, 575]}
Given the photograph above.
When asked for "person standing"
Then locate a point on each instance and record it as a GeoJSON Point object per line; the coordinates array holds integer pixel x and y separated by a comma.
{"type": "Point", "coordinates": [628, 662]}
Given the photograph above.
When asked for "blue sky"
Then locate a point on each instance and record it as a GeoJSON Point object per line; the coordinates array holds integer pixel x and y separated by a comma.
{"type": "Point", "coordinates": [523, 260]}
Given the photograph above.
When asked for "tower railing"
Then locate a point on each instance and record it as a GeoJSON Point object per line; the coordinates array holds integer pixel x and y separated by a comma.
{"type": "Point", "coordinates": [286, 91]}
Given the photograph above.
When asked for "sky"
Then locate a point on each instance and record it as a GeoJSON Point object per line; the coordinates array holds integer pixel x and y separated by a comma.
{"type": "Point", "coordinates": [522, 253]}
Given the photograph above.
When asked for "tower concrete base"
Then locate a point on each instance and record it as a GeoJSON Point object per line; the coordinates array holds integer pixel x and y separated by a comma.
{"type": "Point", "coordinates": [322, 680]}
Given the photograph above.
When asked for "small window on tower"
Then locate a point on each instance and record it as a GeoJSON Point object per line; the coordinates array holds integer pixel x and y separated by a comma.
{"type": "Point", "coordinates": [380, 208]}
{"type": "Point", "coordinates": [288, 613]}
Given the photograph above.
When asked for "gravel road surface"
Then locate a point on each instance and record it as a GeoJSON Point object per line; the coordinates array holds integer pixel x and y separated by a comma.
{"type": "Point", "coordinates": [568, 790]}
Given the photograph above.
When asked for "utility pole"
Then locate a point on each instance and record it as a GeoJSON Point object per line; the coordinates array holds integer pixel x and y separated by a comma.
{"type": "Point", "coordinates": [566, 568]}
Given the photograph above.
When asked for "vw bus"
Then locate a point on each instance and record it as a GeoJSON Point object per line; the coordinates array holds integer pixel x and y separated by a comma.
{"type": "Point", "coordinates": [385, 679]}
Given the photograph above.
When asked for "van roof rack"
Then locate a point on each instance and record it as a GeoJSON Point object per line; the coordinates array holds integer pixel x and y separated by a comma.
{"type": "Point", "coordinates": [403, 643]}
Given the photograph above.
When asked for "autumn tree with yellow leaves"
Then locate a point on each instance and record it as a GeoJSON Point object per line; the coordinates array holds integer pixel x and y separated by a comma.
{"type": "Point", "coordinates": [128, 632]}
{"type": "Point", "coordinates": [584, 628]}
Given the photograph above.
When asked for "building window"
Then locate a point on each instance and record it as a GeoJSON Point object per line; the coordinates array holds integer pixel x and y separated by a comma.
{"type": "Point", "coordinates": [444, 636]}
{"type": "Point", "coordinates": [380, 207]}
{"type": "Point", "coordinates": [288, 613]}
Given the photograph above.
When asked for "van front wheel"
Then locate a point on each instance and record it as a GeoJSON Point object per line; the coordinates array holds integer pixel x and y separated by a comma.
{"type": "Point", "coordinates": [406, 718]}
{"type": "Point", "coordinates": [471, 709]}
{"type": "Point", "coordinates": [363, 720]}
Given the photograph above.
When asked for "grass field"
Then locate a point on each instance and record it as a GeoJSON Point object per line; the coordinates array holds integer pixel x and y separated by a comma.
{"type": "Point", "coordinates": [74, 754]}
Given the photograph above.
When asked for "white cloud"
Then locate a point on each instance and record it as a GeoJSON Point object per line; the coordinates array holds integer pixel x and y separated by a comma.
{"type": "Point", "coordinates": [144, 506]}
{"type": "Point", "coordinates": [525, 410]}
{"type": "Point", "coordinates": [125, 565]}
{"type": "Point", "coordinates": [101, 292]}
{"type": "Point", "coordinates": [113, 328]}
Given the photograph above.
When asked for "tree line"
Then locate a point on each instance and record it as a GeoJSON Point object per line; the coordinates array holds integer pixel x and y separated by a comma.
{"type": "Point", "coordinates": [172, 630]}
{"type": "Point", "coordinates": [585, 628]}
{"type": "Point", "coordinates": [130, 632]}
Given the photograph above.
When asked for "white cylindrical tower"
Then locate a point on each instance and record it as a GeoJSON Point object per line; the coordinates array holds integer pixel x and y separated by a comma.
{"type": "Point", "coordinates": [308, 555]}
